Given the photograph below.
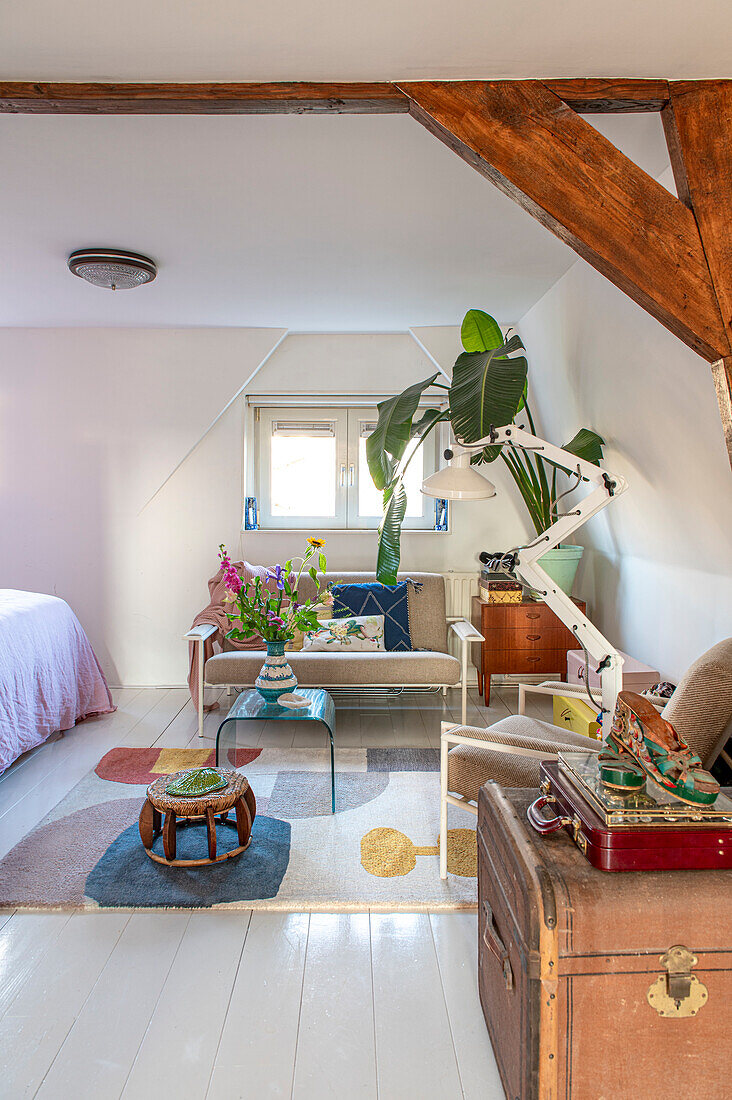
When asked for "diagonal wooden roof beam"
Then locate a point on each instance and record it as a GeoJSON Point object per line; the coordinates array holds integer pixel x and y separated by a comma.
{"type": "Point", "coordinates": [539, 152]}
{"type": "Point", "coordinates": [698, 124]}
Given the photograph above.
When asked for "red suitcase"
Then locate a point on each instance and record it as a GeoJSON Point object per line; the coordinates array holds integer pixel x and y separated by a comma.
{"type": "Point", "coordinates": [659, 844]}
{"type": "Point", "coordinates": [597, 986]}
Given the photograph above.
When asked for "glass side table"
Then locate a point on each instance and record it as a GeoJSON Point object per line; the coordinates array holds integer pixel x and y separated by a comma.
{"type": "Point", "coordinates": [251, 706]}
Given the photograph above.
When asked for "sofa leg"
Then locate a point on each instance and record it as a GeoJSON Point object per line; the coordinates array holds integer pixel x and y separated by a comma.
{"type": "Point", "coordinates": [201, 663]}
{"type": "Point", "coordinates": [443, 807]}
{"type": "Point", "coordinates": [444, 691]}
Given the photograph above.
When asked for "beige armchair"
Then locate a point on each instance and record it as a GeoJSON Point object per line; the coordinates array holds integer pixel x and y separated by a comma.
{"type": "Point", "coordinates": [511, 750]}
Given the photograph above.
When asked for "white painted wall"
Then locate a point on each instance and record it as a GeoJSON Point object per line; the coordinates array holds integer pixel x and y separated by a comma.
{"type": "Point", "coordinates": [92, 423]}
{"type": "Point", "coordinates": [116, 490]}
{"type": "Point", "coordinates": [658, 571]}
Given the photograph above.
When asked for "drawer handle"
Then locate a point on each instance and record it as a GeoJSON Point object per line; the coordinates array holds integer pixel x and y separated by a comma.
{"type": "Point", "coordinates": [533, 658]}
{"type": "Point", "coordinates": [533, 637]}
{"type": "Point", "coordinates": [533, 615]}
{"type": "Point", "coordinates": [496, 946]}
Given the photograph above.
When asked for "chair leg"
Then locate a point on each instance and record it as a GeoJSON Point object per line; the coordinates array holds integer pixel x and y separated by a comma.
{"type": "Point", "coordinates": [444, 691]}
{"type": "Point", "coordinates": [464, 685]}
{"type": "Point", "coordinates": [443, 807]}
{"type": "Point", "coordinates": [211, 830]}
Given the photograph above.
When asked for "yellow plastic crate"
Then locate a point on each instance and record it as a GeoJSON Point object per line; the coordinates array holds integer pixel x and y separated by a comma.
{"type": "Point", "coordinates": [576, 715]}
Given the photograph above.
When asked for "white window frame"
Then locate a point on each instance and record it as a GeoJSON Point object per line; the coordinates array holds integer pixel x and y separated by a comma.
{"type": "Point", "coordinates": [347, 420]}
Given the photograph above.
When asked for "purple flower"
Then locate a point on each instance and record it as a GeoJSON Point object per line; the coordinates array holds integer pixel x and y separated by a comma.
{"type": "Point", "coordinates": [278, 576]}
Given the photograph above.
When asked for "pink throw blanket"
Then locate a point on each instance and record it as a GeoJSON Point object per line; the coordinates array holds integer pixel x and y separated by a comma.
{"type": "Point", "coordinates": [50, 678]}
{"type": "Point", "coordinates": [215, 615]}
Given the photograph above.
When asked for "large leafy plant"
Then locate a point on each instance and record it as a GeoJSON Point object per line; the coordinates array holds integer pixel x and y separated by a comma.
{"type": "Point", "coordinates": [489, 388]}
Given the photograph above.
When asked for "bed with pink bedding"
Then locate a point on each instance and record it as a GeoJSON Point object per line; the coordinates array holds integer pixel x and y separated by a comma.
{"type": "Point", "coordinates": [50, 678]}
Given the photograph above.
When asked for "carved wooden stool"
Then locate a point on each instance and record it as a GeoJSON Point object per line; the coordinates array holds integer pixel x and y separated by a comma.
{"type": "Point", "coordinates": [161, 811]}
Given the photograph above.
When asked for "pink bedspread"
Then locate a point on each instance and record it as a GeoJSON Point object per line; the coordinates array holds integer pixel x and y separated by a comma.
{"type": "Point", "coordinates": [50, 678]}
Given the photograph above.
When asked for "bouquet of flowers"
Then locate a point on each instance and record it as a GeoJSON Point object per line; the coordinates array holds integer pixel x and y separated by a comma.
{"type": "Point", "coordinates": [276, 616]}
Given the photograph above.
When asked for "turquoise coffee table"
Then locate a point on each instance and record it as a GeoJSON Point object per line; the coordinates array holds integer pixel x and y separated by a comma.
{"type": "Point", "coordinates": [251, 706]}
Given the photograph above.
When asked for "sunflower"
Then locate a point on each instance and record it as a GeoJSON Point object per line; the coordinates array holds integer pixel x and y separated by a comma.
{"type": "Point", "coordinates": [317, 544]}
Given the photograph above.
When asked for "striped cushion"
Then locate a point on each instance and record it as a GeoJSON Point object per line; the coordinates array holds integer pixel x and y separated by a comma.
{"type": "Point", "coordinates": [701, 707]}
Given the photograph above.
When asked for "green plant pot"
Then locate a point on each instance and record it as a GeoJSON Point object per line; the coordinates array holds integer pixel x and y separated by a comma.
{"type": "Point", "coordinates": [561, 564]}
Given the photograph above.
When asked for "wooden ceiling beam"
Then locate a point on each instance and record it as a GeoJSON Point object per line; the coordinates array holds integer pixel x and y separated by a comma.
{"type": "Point", "coordinates": [698, 124]}
{"type": "Point", "coordinates": [586, 96]}
{"type": "Point", "coordinates": [540, 153]}
{"type": "Point", "coordinates": [208, 99]}
{"type": "Point", "coordinates": [606, 97]}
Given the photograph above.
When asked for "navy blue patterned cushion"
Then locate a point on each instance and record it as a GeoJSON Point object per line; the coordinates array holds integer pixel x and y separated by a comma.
{"type": "Point", "coordinates": [372, 598]}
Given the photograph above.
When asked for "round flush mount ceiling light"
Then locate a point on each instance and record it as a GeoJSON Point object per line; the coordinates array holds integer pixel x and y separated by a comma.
{"type": "Point", "coordinates": [111, 268]}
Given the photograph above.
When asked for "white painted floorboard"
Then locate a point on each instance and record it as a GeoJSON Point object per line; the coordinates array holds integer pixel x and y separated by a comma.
{"type": "Point", "coordinates": [97, 1054]}
{"type": "Point", "coordinates": [335, 1047]}
{"type": "Point", "coordinates": [42, 1013]}
{"type": "Point", "coordinates": [456, 942]}
{"type": "Point", "coordinates": [226, 1004]}
{"type": "Point", "coordinates": [177, 1053]}
{"type": "Point", "coordinates": [256, 1055]}
{"type": "Point", "coordinates": [415, 1052]}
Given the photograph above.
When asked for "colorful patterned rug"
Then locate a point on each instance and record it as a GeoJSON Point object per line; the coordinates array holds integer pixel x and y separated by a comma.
{"type": "Point", "coordinates": [378, 851]}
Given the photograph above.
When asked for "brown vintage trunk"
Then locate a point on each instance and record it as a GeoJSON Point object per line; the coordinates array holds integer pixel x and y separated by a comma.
{"type": "Point", "coordinates": [569, 954]}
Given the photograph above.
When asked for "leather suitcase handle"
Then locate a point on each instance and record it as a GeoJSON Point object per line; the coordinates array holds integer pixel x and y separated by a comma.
{"type": "Point", "coordinates": [545, 825]}
{"type": "Point", "coordinates": [496, 946]}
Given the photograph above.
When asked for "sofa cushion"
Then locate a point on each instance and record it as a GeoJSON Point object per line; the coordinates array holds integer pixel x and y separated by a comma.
{"type": "Point", "coordinates": [372, 598]}
{"type": "Point", "coordinates": [337, 669]}
{"type": "Point", "coordinates": [356, 634]}
{"type": "Point", "coordinates": [427, 622]}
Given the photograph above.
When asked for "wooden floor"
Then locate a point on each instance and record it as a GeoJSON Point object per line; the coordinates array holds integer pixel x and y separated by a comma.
{"type": "Point", "coordinates": [226, 1004]}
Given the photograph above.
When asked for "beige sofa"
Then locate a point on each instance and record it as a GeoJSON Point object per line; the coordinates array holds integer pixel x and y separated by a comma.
{"type": "Point", "coordinates": [428, 666]}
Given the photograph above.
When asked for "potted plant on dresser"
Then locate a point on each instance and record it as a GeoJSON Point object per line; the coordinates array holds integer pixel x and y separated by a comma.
{"type": "Point", "coordinates": [489, 387]}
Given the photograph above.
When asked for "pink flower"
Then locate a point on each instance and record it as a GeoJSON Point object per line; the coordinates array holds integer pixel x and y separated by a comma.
{"type": "Point", "coordinates": [232, 580]}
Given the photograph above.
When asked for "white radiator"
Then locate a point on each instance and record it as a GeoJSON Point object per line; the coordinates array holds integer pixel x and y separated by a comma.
{"type": "Point", "coordinates": [459, 591]}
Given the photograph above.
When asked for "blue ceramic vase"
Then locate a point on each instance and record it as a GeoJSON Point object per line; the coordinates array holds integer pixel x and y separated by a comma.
{"type": "Point", "coordinates": [275, 676]}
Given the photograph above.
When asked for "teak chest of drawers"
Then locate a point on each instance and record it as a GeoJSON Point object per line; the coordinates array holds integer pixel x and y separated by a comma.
{"type": "Point", "coordinates": [520, 637]}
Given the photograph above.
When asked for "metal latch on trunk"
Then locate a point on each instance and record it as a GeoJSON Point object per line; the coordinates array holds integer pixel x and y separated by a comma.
{"type": "Point", "coordinates": [678, 992]}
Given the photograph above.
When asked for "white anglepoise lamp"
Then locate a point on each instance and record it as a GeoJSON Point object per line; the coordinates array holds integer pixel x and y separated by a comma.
{"type": "Point", "coordinates": [459, 481]}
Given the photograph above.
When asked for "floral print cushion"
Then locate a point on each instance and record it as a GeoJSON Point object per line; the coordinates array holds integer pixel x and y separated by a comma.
{"type": "Point", "coordinates": [360, 634]}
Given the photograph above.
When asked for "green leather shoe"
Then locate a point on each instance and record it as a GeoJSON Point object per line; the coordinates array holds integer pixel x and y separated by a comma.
{"type": "Point", "coordinates": [620, 773]}
{"type": "Point", "coordinates": [653, 742]}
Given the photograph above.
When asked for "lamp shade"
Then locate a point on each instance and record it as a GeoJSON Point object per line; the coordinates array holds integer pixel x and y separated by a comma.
{"type": "Point", "coordinates": [458, 481]}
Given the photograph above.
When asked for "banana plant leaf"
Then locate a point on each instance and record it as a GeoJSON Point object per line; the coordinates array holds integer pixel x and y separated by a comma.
{"type": "Point", "coordinates": [426, 423]}
{"type": "Point", "coordinates": [390, 529]}
{"type": "Point", "coordinates": [393, 431]}
{"type": "Point", "coordinates": [487, 389]}
{"type": "Point", "coordinates": [585, 444]}
{"type": "Point", "coordinates": [480, 331]}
